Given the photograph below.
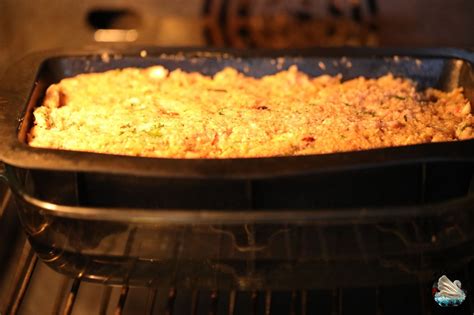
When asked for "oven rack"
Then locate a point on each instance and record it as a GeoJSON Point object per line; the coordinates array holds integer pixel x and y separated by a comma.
{"type": "Point", "coordinates": [29, 286]}
{"type": "Point", "coordinates": [74, 296]}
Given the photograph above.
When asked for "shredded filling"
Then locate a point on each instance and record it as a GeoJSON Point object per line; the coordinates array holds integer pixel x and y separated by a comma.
{"type": "Point", "coordinates": [156, 113]}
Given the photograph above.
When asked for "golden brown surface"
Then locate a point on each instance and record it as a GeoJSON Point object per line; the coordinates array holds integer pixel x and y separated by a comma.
{"type": "Point", "coordinates": [150, 112]}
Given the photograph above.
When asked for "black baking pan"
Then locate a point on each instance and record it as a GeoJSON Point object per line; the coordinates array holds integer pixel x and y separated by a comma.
{"type": "Point", "coordinates": [443, 68]}
{"type": "Point", "coordinates": [374, 216]}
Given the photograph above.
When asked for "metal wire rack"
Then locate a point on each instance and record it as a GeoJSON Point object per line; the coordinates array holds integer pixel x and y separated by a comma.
{"type": "Point", "coordinates": [37, 289]}
{"type": "Point", "coordinates": [28, 286]}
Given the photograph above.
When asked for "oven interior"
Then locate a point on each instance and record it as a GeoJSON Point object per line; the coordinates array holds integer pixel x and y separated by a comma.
{"type": "Point", "coordinates": [29, 286]}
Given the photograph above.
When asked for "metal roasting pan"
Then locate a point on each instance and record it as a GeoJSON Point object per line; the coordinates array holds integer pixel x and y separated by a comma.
{"type": "Point", "coordinates": [25, 82]}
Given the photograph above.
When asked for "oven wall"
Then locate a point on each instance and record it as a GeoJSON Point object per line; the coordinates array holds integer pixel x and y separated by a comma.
{"type": "Point", "coordinates": [27, 25]}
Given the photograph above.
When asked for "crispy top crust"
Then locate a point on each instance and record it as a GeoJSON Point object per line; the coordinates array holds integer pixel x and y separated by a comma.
{"type": "Point", "coordinates": [155, 113]}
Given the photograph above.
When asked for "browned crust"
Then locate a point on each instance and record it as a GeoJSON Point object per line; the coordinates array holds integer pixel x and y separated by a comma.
{"type": "Point", "coordinates": [153, 113]}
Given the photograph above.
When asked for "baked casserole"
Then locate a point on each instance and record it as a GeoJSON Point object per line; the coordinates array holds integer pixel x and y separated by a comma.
{"type": "Point", "coordinates": [154, 112]}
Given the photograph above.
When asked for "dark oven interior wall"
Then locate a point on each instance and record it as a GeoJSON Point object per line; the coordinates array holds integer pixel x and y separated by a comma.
{"type": "Point", "coordinates": [27, 25]}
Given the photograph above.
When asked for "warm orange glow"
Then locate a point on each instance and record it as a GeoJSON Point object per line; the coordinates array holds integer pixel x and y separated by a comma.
{"type": "Point", "coordinates": [115, 35]}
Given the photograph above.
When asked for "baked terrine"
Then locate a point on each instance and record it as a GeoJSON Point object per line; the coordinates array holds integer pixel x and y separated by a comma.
{"type": "Point", "coordinates": [154, 112]}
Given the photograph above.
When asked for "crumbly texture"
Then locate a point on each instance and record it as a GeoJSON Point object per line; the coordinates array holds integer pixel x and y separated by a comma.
{"type": "Point", "coordinates": [155, 113]}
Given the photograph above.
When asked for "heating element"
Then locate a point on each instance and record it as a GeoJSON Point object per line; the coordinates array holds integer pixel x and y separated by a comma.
{"type": "Point", "coordinates": [263, 23]}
